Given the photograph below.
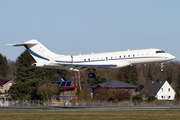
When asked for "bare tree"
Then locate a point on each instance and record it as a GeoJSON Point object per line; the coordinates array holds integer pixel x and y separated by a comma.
{"type": "Point", "coordinates": [47, 90]}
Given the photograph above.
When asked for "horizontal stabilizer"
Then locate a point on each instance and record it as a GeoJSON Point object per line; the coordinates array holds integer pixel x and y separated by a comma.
{"type": "Point", "coordinates": [22, 44]}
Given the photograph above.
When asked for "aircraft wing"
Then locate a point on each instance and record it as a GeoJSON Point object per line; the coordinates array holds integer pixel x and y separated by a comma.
{"type": "Point", "coordinates": [97, 66]}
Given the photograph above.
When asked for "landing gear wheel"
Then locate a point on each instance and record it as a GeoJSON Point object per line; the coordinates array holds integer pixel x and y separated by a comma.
{"type": "Point", "coordinates": [91, 75]}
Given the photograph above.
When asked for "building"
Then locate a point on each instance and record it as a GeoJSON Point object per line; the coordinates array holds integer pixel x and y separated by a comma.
{"type": "Point", "coordinates": [115, 85]}
{"type": "Point", "coordinates": [4, 87]}
{"type": "Point", "coordinates": [68, 92]}
{"type": "Point", "coordinates": [161, 89]}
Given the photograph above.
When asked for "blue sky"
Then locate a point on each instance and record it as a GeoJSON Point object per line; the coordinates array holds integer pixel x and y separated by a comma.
{"type": "Point", "coordinates": [71, 27]}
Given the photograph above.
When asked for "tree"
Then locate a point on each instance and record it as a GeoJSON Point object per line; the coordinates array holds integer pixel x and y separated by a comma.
{"type": "Point", "coordinates": [178, 81]}
{"type": "Point", "coordinates": [149, 74]}
{"type": "Point", "coordinates": [85, 91]}
{"type": "Point", "coordinates": [99, 79]}
{"type": "Point", "coordinates": [29, 78]}
{"type": "Point", "coordinates": [13, 92]}
{"type": "Point", "coordinates": [128, 74]}
{"type": "Point", "coordinates": [3, 66]}
{"type": "Point", "coordinates": [47, 90]}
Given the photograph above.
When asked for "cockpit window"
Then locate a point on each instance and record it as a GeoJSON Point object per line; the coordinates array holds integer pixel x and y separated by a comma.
{"type": "Point", "coordinates": [160, 51]}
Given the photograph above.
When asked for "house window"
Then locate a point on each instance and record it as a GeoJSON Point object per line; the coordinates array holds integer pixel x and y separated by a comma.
{"type": "Point", "coordinates": [128, 55]}
{"type": "Point", "coordinates": [89, 59]}
{"type": "Point", "coordinates": [161, 96]}
{"type": "Point", "coordinates": [71, 92]}
{"type": "Point", "coordinates": [169, 97]}
{"type": "Point", "coordinates": [119, 56]}
{"type": "Point", "coordinates": [6, 91]}
{"type": "Point", "coordinates": [133, 55]}
{"type": "Point", "coordinates": [84, 59]}
{"type": "Point", "coordinates": [169, 89]}
{"type": "Point", "coordinates": [161, 89]}
{"type": "Point", "coordinates": [124, 56]}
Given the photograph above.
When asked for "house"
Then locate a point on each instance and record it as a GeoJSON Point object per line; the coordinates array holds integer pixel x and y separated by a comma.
{"type": "Point", "coordinates": [4, 87]}
{"type": "Point", "coordinates": [68, 92]}
{"type": "Point", "coordinates": [161, 89]}
{"type": "Point", "coordinates": [115, 85]}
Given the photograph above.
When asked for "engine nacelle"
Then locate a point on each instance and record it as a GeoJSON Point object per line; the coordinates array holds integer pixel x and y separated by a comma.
{"type": "Point", "coordinates": [37, 64]}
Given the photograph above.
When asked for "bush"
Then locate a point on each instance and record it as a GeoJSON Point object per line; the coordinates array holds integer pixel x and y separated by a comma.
{"type": "Point", "coordinates": [136, 98]}
{"type": "Point", "coordinates": [101, 94]}
{"type": "Point", "coordinates": [151, 98]}
{"type": "Point", "coordinates": [177, 97]}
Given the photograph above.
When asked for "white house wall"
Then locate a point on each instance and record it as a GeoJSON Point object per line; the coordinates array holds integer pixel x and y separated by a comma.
{"type": "Point", "coordinates": [166, 92]}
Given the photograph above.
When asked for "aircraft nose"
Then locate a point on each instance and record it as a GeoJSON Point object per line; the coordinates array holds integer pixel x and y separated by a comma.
{"type": "Point", "coordinates": [170, 57]}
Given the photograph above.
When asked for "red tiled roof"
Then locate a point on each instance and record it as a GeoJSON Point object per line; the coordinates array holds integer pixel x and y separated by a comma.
{"type": "Point", "coordinates": [69, 87]}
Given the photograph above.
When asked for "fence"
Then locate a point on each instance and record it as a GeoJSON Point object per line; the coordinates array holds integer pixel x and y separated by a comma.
{"type": "Point", "coordinates": [38, 103]}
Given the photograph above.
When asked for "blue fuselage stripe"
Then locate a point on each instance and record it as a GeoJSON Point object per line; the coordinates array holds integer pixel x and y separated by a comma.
{"type": "Point", "coordinates": [33, 53]}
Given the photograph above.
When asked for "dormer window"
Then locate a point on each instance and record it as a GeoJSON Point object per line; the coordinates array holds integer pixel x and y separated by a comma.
{"type": "Point", "coordinates": [169, 89]}
{"type": "Point", "coordinates": [161, 89]}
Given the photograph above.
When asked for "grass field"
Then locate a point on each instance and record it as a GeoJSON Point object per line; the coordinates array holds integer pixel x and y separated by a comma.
{"type": "Point", "coordinates": [90, 115]}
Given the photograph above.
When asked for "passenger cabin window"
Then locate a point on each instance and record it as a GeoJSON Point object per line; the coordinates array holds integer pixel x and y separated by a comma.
{"type": "Point", "coordinates": [160, 51]}
{"type": "Point", "coordinates": [106, 58]}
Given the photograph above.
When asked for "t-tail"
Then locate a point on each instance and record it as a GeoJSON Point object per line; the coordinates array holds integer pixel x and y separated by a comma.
{"type": "Point", "coordinates": [38, 51]}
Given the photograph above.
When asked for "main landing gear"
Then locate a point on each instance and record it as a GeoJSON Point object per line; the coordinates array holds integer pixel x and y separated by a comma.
{"type": "Point", "coordinates": [91, 75]}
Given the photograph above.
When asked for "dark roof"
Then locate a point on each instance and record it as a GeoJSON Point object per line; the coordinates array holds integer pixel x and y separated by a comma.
{"type": "Point", "coordinates": [114, 84]}
{"type": "Point", "coordinates": [3, 82]}
{"type": "Point", "coordinates": [153, 86]}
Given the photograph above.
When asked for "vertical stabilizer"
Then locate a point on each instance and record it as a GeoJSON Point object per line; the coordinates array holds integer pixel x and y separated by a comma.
{"type": "Point", "coordinates": [38, 51]}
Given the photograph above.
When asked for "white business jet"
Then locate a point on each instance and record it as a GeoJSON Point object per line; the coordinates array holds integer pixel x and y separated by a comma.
{"type": "Point", "coordinates": [92, 62]}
